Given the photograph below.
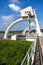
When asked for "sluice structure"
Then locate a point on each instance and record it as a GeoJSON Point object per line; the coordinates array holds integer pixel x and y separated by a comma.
{"type": "Point", "coordinates": [30, 33]}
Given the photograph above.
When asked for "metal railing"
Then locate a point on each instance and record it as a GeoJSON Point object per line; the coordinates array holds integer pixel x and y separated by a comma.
{"type": "Point", "coordinates": [30, 54]}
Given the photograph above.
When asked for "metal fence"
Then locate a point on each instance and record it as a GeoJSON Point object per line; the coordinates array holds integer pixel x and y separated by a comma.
{"type": "Point", "coordinates": [30, 54]}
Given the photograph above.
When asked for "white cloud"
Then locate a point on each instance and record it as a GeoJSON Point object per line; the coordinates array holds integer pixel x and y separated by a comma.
{"type": "Point", "coordinates": [7, 18]}
{"type": "Point", "coordinates": [13, 1]}
{"type": "Point", "coordinates": [14, 7]}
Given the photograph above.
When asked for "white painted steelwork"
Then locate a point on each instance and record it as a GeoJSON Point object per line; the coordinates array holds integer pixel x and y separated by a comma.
{"type": "Point", "coordinates": [30, 54]}
{"type": "Point", "coordinates": [31, 16]}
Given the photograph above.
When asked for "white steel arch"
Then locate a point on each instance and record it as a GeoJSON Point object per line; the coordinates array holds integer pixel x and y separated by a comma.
{"type": "Point", "coordinates": [26, 14]}
{"type": "Point", "coordinates": [9, 27]}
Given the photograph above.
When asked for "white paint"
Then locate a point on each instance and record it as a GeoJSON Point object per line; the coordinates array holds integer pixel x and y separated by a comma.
{"type": "Point", "coordinates": [38, 31]}
{"type": "Point", "coordinates": [24, 12]}
{"type": "Point", "coordinates": [13, 37]}
{"type": "Point", "coordinates": [28, 9]}
{"type": "Point", "coordinates": [28, 39]}
{"type": "Point", "coordinates": [9, 27]}
{"type": "Point", "coordinates": [24, 32]}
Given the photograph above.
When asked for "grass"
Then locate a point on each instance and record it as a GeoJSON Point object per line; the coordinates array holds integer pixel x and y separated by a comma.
{"type": "Point", "coordinates": [13, 52]}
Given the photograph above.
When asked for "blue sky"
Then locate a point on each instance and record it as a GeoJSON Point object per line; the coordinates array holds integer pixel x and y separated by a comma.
{"type": "Point", "coordinates": [9, 11]}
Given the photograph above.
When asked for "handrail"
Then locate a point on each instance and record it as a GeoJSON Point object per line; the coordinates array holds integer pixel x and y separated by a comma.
{"type": "Point", "coordinates": [30, 53]}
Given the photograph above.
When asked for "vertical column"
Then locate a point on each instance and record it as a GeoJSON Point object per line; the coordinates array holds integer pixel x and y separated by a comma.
{"type": "Point", "coordinates": [38, 31]}
{"type": "Point", "coordinates": [29, 26]}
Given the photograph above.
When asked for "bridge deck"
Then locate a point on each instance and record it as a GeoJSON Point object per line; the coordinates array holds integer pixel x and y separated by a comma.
{"type": "Point", "coordinates": [41, 44]}
{"type": "Point", "coordinates": [39, 52]}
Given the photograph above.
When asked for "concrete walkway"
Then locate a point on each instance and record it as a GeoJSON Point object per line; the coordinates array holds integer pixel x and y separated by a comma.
{"type": "Point", "coordinates": [38, 54]}
{"type": "Point", "coordinates": [41, 44]}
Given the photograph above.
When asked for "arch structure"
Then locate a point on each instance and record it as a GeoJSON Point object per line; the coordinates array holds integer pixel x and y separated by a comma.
{"type": "Point", "coordinates": [26, 14]}
{"type": "Point", "coordinates": [10, 26]}
{"type": "Point", "coordinates": [32, 25]}
{"type": "Point", "coordinates": [24, 32]}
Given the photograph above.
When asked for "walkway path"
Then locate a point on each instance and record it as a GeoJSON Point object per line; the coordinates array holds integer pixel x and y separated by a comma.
{"type": "Point", "coordinates": [39, 51]}
{"type": "Point", "coordinates": [41, 44]}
